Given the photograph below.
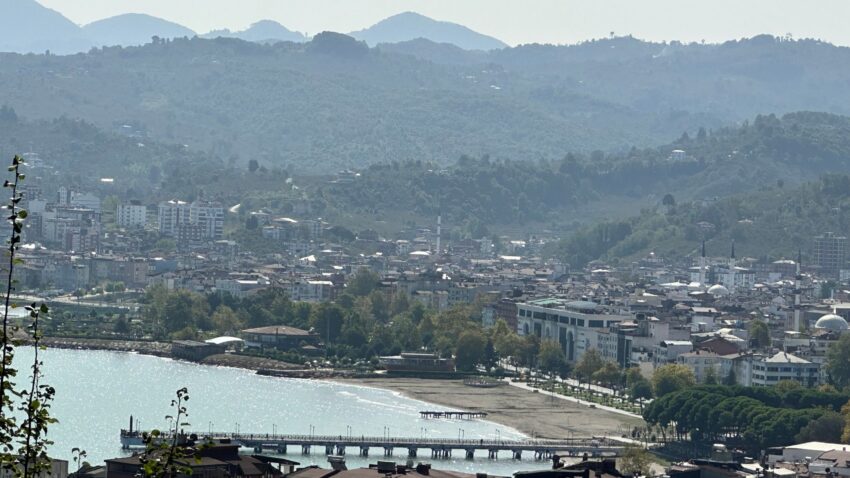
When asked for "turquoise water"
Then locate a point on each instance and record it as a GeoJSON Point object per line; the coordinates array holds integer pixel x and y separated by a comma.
{"type": "Point", "coordinates": [97, 391]}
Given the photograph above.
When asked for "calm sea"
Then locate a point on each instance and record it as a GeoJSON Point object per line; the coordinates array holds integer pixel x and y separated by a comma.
{"type": "Point", "coordinates": [97, 391]}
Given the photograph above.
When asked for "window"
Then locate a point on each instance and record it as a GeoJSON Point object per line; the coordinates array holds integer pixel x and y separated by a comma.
{"type": "Point", "coordinates": [580, 322]}
{"type": "Point", "coordinates": [539, 315]}
{"type": "Point", "coordinates": [522, 312]}
{"type": "Point", "coordinates": [563, 320]}
{"type": "Point", "coordinates": [596, 324]}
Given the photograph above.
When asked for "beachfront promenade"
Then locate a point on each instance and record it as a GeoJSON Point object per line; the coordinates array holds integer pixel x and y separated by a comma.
{"type": "Point", "coordinates": [439, 448]}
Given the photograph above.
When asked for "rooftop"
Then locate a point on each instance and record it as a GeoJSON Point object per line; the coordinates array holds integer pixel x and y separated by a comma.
{"type": "Point", "coordinates": [276, 330]}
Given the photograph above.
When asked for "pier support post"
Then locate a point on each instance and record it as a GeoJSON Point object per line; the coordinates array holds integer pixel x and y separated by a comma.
{"type": "Point", "coordinates": [281, 449]}
{"type": "Point", "coordinates": [492, 454]}
{"type": "Point", "coordinates": [470, 453]}
{"type": "Point", "coordinates": [388, 451]}
{"type": "Point", "coordinates": [364, 451]}
{"type": "Point", "coordinates": [305, 449]}
{"type": "Point", "coordinates": [411, 452]}
{"type": "Point", "coordinates": [517, 454]}
{"type": "Point", "coordinates": [340, 450]}
{"type": "Point", "coordinates": [329, 449]}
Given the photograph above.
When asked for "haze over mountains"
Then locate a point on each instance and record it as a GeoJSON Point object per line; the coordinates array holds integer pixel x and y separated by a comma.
{"type": "Point", "coordinates": [335, 103]}
{"type": "Point", "coordinates": [133, 29]}
{"type": "Point", "coordinates": [409, 26]}
{"type": "Point", "coordinates": [33, 28]}
{"type": "Point", "coordinates": [262, 31]}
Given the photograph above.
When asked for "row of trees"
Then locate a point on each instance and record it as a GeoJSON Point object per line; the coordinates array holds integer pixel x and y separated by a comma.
{"type": "Point", "coordinates": [753, 418]}
{"type": "Point", "coordinates": [362, 323]}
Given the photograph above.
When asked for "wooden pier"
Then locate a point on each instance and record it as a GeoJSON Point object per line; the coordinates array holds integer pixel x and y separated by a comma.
{"type": "Point", "coordinates": [439, 448]}
{"type": "Point", "coordinates": [455, 415]}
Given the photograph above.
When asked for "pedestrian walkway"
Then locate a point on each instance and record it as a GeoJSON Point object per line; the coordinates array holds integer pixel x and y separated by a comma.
{"type": "Point", "coordinates": [528, 387]}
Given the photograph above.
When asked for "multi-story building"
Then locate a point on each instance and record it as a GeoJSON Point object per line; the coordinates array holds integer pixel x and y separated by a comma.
{"type": "Point", "coordinates": [311, 290]}
{"type": "Point", "coordinates": [753, 370]}
{"type": "Point", "coordinates": [171, 215]}
{"type": "Point", "coordinates": [768, 371]}
{"type": "Point", "coordinates": [701, 361]}
{"type": "Point", "coordinates": [209, 216]}
{"type": "Point", "coordinates": [132, 215]}
{"type": "Point", "coordinates": [189, 236]}
{"type": "Point", "coordinates": [573, 324]}
{"type": "Point", "coordinates": [830, 251]}
{"type": "Point", "coordinates": [85, 201]}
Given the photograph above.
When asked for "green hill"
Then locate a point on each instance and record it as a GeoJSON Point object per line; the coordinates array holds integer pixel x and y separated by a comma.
{"type": "Point", "coordinates": [333, 103]}
{"type": "Point", "coordinates": [768, 224]}
{"type": "Point", "coordinates": [585, 189]}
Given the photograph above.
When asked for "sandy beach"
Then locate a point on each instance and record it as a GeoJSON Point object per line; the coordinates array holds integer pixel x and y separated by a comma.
{"type": "Point", "coordinates": [528, 412]}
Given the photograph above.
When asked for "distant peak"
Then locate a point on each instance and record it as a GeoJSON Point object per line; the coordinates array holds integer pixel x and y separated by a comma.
{"type": "Point", "coordinates": [406, 26]}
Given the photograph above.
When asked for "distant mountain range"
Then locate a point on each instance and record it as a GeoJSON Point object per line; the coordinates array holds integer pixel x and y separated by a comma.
{"type": "Point", "coordinates": [132, 29]}
{"type": "Point", "coordinates": [30, 27]}
{"type": "Point", "coordinates": [334, 103]}
{"type": "Point", "coordinates": [264, 31]}
{"type": "Point", "coordinates": [410, 26]}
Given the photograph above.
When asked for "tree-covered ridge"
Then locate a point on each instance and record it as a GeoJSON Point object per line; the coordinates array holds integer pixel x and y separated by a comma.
{"type": "Point", "coordinates": [471, 190]}
{"type": "Point", "coordinates": [757, 155]}
{"type": "Point", "coordinates": [751, 417]}
{"type": "Point", "coordinates": [81, 153]}
{"type": "Point", "coordinates": [768, 224]}
{"type": "Point", "coordinates": [322, 105]}
{"type": "Point", "coordinates": [333, 102]}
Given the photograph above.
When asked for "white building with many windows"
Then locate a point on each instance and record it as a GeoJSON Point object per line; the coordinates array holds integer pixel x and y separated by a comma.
{"type": "Point", "coordinates": [768, 371]}
{"type": "Point", "coordinates": [171, 215]}
{"type": "Point", "coordinates": [577, 326]}
{"type": "Point", "coordinates": [132, 215]}
{"type": "Point", "coordinates": [209, 215]}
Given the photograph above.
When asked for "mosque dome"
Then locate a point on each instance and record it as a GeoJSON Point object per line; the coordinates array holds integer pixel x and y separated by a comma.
{"type": "Point", "coordinates": [718, 290]}
{"type": "Point", "coordinates": [831, 322]}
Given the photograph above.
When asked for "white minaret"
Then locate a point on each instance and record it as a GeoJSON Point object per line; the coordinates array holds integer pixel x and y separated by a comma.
{"type": "Point", "coordinates": [797, 285]}
{"type": "Point", "coordinates": [439, 231]}
{"type": "Point", "coordinates": [702, 266]}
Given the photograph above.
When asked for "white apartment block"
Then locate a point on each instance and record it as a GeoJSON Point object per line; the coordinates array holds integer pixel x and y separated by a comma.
{"type": "Point", "coordinates": [132, 215]}
{"type": "Point", "coordinates": [210, 216]}
{"type": "Point", "coordinates": [171, 215]}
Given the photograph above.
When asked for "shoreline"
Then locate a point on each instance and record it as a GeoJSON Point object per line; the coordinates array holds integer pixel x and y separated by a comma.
{"type": "Point", "coordinates": [533, 414]}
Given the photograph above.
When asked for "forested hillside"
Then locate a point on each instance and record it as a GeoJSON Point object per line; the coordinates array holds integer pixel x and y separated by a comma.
{"type": "Point", "coordinates": [771, 223]}
{"type": "Point", "coordinates": [585, 188]}
{"type": "Point", "coordinates": [742, 181]}
{"type": "Point", "coordinates": [76, 153]}
{"type": "Point", "coordinates": [335, 103]}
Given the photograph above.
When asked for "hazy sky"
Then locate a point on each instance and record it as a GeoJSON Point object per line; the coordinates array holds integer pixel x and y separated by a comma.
{"type": "Point", "coordinates": [513, 21]}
